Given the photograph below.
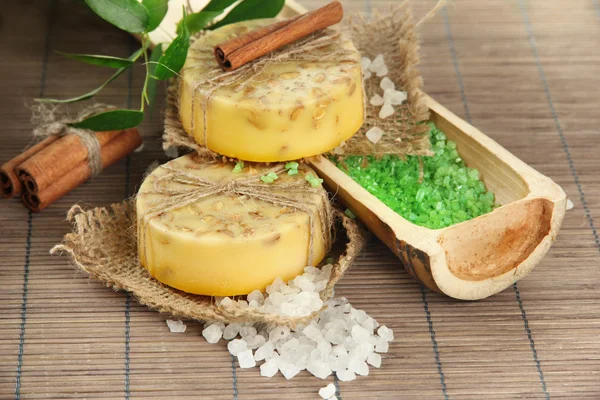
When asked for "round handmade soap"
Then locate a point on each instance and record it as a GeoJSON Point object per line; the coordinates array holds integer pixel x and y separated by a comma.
{"type": "Point", "coordinates": [227, 238]}
{"type": "Point", "coordinates": [289, 109]}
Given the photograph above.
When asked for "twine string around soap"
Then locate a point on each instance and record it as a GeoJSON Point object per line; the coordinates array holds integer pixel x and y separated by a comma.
{"type": "Point", "coordinates": [299, 51]}
{"type": "Point", "coordinates": [196, 188]}
{"type": "Point", "coordinates": [50, 120]}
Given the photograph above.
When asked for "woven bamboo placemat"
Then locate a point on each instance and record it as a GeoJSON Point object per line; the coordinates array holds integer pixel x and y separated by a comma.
{"type": "Point", "coordinates": [525, 72]}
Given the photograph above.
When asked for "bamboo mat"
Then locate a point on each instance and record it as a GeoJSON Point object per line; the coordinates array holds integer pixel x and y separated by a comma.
{"type": "Point", "coordinates": [527, 73]}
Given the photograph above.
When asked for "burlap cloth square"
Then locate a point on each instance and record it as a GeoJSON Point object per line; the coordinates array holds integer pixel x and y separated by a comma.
{"type": "Point", "coordinates": [103, 244]}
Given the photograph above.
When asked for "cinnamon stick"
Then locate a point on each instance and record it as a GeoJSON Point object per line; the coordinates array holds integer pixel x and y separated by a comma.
{"type": "Point", "coordinates": [9, 182]}
{"type": "Point", "coordinates": [236, 52]}
{"type": "Point", "coordinates": [111, 152]}
{"type": "Point", "coordinates": [54, 162]}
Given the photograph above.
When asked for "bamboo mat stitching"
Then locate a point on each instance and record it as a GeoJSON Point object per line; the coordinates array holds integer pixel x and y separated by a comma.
{"type": "Point", "coordinates": [30, 221]}
{"type": "Point", "coordinates": [559, 129]}
{"type": "Point", "coordinates": [434, 343]}
{"type": "Point", "coordinates": [463, 95]}
{"type": "Point", "coordinates": [234, 380]}
{"type": "Point", "coordinates": [127, 194]}
{"type": "Point", "coordinates": [531, 341]}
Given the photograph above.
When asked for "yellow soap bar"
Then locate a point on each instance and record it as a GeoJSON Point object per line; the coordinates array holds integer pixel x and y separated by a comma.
{"type": "Point", "coordinates": [226, 243]}
{"type": "Point", "coordinates": [289, 110]}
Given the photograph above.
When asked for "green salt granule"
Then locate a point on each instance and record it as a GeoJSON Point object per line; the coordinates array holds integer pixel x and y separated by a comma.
{"type": "Point", "coordinates": [449, 193]}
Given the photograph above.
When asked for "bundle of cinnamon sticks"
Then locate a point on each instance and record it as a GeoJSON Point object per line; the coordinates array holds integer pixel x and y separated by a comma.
{"type": "Point", "coordinates": [58, 164]}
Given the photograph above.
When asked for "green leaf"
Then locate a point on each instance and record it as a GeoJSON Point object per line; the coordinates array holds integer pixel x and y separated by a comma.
{"type": "Point", "coordinates": [173, 58]}
{"type": "Point", "coordinates": [198, 21]}
{"type": "Point", "coordinates": [151, 87]}
{"type": "Point", "coordinates": [111, 120]}
{"type": "Point", "coordinates": [129, 15]}
{"type": "Point", "coordinates": [349, 214]}
{"type": "Point", "coordinates": [313, 180]}
{"type": "Point", "coordinates": [103, 61]}
{"type": "Point", "coordinates": [218, 5]}
{"type": "Point", "coordinates": [239, 167]}
{"type": "Point", "coordinates": [157, 9]}
{"type": "Point", "coordinates": [92, 93]}
{"type": "Point", "coordinates": [251, 9]}
{"type": "Point", "coordinates": [269, 178]}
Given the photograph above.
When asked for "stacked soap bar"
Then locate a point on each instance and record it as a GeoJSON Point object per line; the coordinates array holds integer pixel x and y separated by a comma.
{"type": "Point", "coordinates": [290, 109]}
{"type": "Point", "coordinates": [224, 243]}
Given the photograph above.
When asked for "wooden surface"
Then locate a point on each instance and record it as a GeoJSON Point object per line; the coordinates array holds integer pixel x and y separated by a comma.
{"type": "Point", "coordinates": [527, 73]}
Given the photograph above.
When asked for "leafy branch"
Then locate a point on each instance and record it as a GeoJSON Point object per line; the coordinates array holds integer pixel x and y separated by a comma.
{"type": "Point", "coordinates": [166, 60]}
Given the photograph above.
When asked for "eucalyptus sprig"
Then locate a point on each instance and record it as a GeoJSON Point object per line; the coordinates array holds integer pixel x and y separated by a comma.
{"type": "Point", "coordinates": [166, 60]}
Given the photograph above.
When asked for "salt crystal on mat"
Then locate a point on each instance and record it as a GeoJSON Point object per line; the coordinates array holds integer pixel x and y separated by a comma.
{"type": "Point", "coordinates": [382, 346]}
{"type": "Point", "coordinates": [319, 369]}
{"type": "Point", "coordinates": [225, 302]}
{"type": "Point", "coordinates": [213, 333]}
{"type": "Point", "coordinates": [367, 74]}
{"type": "Point", "coordinates": [378, 66]}
{"type": "Point", "coordinates": [374, 359]}
{"type": "Point", "coordinates": [263, 351]}
{"type": "Point", "coordinates": [247, 331]}
{"type": "Point", "coordinates": [386, 111]}
{"type": "Point", "coordinates": [570, 204]}
{"type": "Point", "coordinates": [358, 367]}
{"type": "Point", "coordinates": [385, 333]}
{"type": "Point", "coordinates": [376, 100]}
{"type": "Point", "coordinates": [176, 326]}
{"type": "Point", "coordinates": [345, 375]}
{"type": "Point", "coordinates": [278, 333]}
{"type": "Point", "coordinates": [288, 370]}
{"type": "Point", "coordinates": [269, 368]}
{"type": "Point", "coordinates": [246, 359]}
{"type": "Point", "coordinates": [327, 391]}
{"type": "Point", "coordinates": [256, 295]}
{"type": "Point", "coordinates": [359, 315]}
{"type": "Point", "coordinates": [374, 134]}
{"type": "Point", "coordinates": [386, 83]}
{"type": "Point", "coordinates": [236, 346]}
{"type": "Point", "coordinates": [360, 334]}
{"type": "Point", "coordinates": [231, 331]}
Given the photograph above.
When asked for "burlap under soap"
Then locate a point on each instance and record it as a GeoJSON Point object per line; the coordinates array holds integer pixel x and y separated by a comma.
{"type": "Point", "coordinates": [103, 244]}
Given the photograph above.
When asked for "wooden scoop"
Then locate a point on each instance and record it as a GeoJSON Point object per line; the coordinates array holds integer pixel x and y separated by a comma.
{"type": "Point", "coordinates": [476, 258]}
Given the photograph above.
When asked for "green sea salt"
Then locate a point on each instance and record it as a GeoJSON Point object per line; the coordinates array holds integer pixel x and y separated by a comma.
{"type": "Point", "coordinates": [449, 193]}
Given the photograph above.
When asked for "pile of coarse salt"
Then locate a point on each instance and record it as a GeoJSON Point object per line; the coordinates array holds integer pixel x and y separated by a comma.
{"type": "Point", "coordinates": [340, 340]}
{"type": "Point", "coordinates": [391, 97]}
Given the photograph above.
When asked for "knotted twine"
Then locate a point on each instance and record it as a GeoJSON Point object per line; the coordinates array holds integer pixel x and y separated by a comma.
{"type": "Point", "coordinates": [195, 188]}
{"type": "Point", "coordinates": [329, 42]}
{"type": "Point", "coordinates": [50, 120]}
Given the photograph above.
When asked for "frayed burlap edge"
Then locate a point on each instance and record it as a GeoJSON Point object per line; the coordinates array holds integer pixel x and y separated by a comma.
{"type": "Point", "coordinates": [392, 34]}
{"type": "Point", "coordinates": [103, 244]}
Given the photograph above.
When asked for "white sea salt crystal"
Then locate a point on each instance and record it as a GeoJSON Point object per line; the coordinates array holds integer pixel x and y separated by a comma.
{"type": "Point", "coordinates": [279, 333]}
{"type": "Point", "coordinates": [339, 350]}
{"type": "Point", "coordinates": [345, 375]}
{"type": "Point", "coordinates": [327, 391]}
{"type": "Point", "coordinates": [255, 295]}
{"type": "Point", "coordinates": [213, 333]}
{"type": "Point", "coordinates": [570, 204]}
{"type": "Point", "coordinates": [376, 100]}
{"type": "Point", "coordinates": [304, 283]}
{"type": "Point", "coordinates": [359, 315]}
{"type": "Point", "coordinates": [269, 368]}
{"type": "Point", "coordinates": [263, 351]}
{"type": "Point", "coordinates": [386, 111]}
{"type": "Point", "coordinates": [319, 369]}
{"type": "Point", "coordinates": [386, 83]}
{"type": "Point", "coordinates": [255, 342]}
{"type": "Point", "coordinates": [382, 346]}
{"type": "Point", "coordinates": [275, 286]}
{"type": "Point", "coordinates": [333, 398]}
{"type": "Point", "coordinates": [176, 326]}
{"type": "Point", "coordinates": [385, 333]}
{"type": "Point", "coordinates": [359, 367]}
{"type": "Point", "coordinates": [247, 331]}
{"type": "Point", "coordinates": [236, 346]}
{"type": "Point", "coordinates": [288, 370]}
{"type": "Point", "coordinates": [394, 97]}
{"type": "Point", "coordinates": [225, 302]}
{"type": "Point", "coordinates": [374, 134]}
{"type": "Point", "coordinates": [360, 334]}
{"type": "Point", "coordinates": [370, 324]}
{"type": "Point", "coordinates": [242, 303]}
{"type": "Point", "coordinates": [231, 331]}
{"type": "Point", "coordinates": [374, 359]}
{"type": "Point", "coordinates": [246, 359]}
{"type": "Point", "coordinates": [365, 62]}
{"type": "Point", "coordinates": [378, 66]}
{"type": "Point", "coordinates": [367, 74]}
